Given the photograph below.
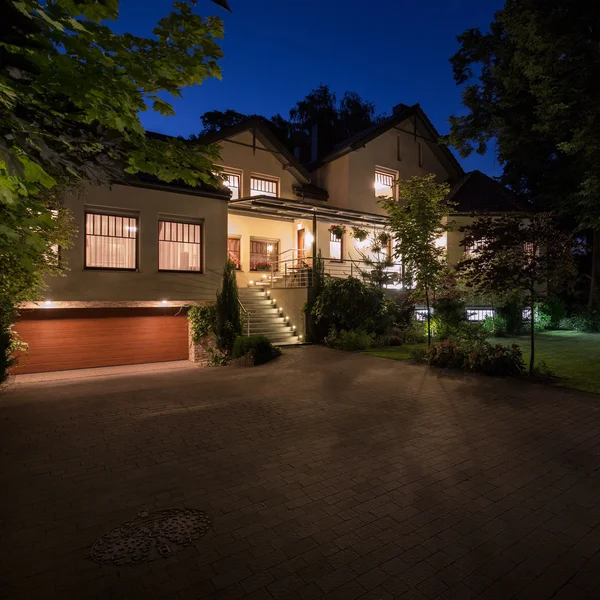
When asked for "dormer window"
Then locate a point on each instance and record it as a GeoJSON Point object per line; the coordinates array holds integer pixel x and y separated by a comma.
{"type": "Point", "coordinates": [232, 181]}
{"type": "Point", "coordinates": [384, 184]}
{"type": "Point", "coordinates": [263, 187]}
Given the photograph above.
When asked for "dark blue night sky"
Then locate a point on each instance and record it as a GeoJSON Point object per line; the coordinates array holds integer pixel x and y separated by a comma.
{"type": "Point", "coordinates": [276, 51]}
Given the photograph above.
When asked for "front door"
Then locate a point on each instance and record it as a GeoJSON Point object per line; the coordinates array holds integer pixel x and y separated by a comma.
{"type": "Point", "coordinates": [300, 245]}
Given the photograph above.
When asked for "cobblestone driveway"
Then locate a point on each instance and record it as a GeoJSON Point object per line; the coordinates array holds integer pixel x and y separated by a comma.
{"type": "Point", "coordinates": [327, 475]}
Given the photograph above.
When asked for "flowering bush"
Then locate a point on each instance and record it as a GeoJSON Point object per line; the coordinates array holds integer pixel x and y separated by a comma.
{"type": "Point", "coordinates": [480, 358]}
{"type": "Point", "coordinates": [262, 266]}
{"type": "Point", "coordinates": [338, 230]}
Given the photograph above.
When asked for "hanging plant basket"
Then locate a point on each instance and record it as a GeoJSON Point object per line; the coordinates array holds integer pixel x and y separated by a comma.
{"type": "Point", "coordinates": [384, 238]}
{"type": "Point", "coordinates": [359, 234]}
{"type": "Point", "coordinates": [338, 231]}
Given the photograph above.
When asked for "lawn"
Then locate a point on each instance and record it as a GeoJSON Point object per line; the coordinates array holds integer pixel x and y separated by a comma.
{"type": "Point", "coordinates": [574, 357]}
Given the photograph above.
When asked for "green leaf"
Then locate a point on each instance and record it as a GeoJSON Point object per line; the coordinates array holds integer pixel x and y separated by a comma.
{"type": "Point", "coordinates": [164, 108]}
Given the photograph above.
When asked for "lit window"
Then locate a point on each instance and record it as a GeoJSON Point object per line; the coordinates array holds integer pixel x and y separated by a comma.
{"type": "Point", "coordinates": [263, 187]}
{"type": "Point", "coordinates": [110, 242]}
{"type": "Point", "coordinates": [335, 246]}
{"type": "Point", "coordinates": [179, 246]}
{"type": "Point", "coordinates": [474, 247]}
{"type": "Point", "coordinates": [263, 255]}
{"type": "Point", "coordinates": [384, 184]}
{"type": "Point", "coordinates": [233, 183]}
{"type": "Point", "coordinates": [234, 251]}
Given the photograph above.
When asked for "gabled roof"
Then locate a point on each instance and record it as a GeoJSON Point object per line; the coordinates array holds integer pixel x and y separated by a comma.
{"type": "Point", "coordinates": [263, 132]}
{"type": "Point", "coordinates": [362, 138]}
{"type": "Point", "coordinates": [476, 192]}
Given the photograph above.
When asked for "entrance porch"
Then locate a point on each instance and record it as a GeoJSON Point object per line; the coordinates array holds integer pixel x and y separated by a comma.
{"type": "Point", "coordinates": [273, 241]}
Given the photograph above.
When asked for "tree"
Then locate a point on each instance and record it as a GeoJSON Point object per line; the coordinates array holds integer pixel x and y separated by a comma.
{"type": "Point", "coordinates": [71, 91]}
{"type": "Point", "coordinates": [354, 115]}
{"type": "Point", "coordinates": [376, 263]}
{"type": "Point", "coordinates": [229, 318]}
{"type": "Point", "coordinates": [418, 222]}
{"type": "Point", "coordinates": [512, 255]}
{"type": "Point", "coordinates": [535, 98]}
{"type": "Point", "coordinates": [215, 120]}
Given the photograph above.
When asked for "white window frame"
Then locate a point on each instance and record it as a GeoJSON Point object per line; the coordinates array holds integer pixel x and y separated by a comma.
{"type": "Point", "coordinates": [236, 174]}
{"type": "Point", "coordinates": [384, 174]}
{"type": "Point", "coordinates": [265, 182]}
{"type": "Point", "coordinates": [333, 244]}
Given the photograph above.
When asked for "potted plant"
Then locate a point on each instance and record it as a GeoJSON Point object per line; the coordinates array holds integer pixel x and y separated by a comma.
{"type": "Point", "coordinates": [338, 231]}
{"type": "Point", "coordinates": [384, 238]}
{"type": "Point", "coordinates": [359, 234]}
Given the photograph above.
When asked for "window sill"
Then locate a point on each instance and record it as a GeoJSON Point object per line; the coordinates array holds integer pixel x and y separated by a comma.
{"type": "Point", "coordinates": [179, 271]}
{"type": "Point", "coordinates": [110, 269]}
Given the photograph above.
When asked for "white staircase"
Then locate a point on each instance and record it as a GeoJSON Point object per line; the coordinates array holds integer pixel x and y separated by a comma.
{"type": "Point", "coordinates": [265, 317]}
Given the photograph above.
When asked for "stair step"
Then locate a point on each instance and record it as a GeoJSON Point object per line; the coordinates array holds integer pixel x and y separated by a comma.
{"type": "Point", "coordinates": [270, 330]}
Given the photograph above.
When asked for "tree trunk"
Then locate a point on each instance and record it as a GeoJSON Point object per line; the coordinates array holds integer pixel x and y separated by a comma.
{"type": "Point", "coordinates": [428, 316]}
{"type": "Point", "coordinates": [532, 333]}
{"type": "Point", "coordinates": [595, 275]}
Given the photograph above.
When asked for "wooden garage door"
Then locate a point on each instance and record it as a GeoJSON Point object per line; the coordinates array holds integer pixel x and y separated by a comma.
{"type": "Point", "coordinates": [62, 339]}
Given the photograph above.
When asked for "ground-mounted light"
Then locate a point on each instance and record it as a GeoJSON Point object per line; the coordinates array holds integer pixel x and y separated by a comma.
{"type": "Point", "coordinates": [300, 337]}
{"type": "Point", "coordinates": [48, 303]}
{"type": "Point", "coordinates": [251, 282]}
{"type": "Point", "coordinates": [164, 302]}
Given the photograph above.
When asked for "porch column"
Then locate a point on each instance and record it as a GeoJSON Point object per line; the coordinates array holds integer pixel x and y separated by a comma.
{"type": "Point", "coordinates": [314, 234]}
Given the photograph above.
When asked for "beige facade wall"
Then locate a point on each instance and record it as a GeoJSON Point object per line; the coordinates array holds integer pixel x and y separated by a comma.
{"type": "Point", "coordinates": [335, 178]}
{"type": "Point", "coordinates": [455, 251]}
{"type": "Point", "coordinates": [260, 228]}
{"type": "Point", "coordinates": [292, 300]}
{"type": "Point", "coordinates": [146, 284]}
{"type": "Point", "coordinates": [350, 179]}
{"type": "Point", "coordinates": [246, 162]}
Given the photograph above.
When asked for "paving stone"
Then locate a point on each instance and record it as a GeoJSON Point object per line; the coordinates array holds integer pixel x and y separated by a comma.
{"type": "Point", "coordinates": [434, 486]}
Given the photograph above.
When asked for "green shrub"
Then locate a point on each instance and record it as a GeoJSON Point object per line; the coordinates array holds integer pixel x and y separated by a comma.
{"type": "Point", "coordinates": [349, 304]}
{"type": "Point", "coordinates": [495, 326]}
{"type": "Point", "coordinates": [482, 358]}
{"type": "Point", "coordinates": [415, 333]}
{"type": "Point", "coordinates": [587, 321]}
{"type": "Point", "coordinates": [260, 345]}
{"type": "Point", "coordinates": [550, 314]}
{"type": "Point", "coordinates": [202, 321]}
{"type": "Point", "coordinates": [418, 354]}
{"type": "Point", "coordinates": [470, 333]}
{"type": "Point", "coordinates": [403, 310]}
{"type": "Point", "coordinates": [512, 313]}
{"type": "Point", "coordinates": [6, 358]}
{"type": "Point", "coordinates": [448, 314]}
{"type": "Point", "coordinates": [350, 341]}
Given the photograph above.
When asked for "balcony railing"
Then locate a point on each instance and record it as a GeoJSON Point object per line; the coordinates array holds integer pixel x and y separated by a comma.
{"type": "Point", "coordinates": [294, 269]}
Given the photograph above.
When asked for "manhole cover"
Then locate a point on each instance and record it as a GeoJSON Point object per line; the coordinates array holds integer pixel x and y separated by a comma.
{"type": "Point", "coordinates": [150, 536]}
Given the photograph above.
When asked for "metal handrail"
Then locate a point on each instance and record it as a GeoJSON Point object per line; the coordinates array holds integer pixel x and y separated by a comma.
{"type": "Point", "coordinates": [247, 313]}
{"type": "Point", "coordinates": [295, 275]}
